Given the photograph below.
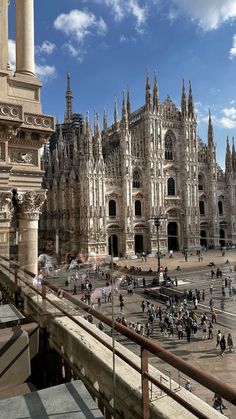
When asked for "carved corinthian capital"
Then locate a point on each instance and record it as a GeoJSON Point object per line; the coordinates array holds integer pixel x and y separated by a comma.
{"type": "Point", "coordinates": [30, 203]}
{"type": "Point", "coordinates": [6, 205]}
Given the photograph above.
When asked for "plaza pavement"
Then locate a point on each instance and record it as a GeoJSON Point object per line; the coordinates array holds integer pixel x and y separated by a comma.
{"type": "Point", "coordinates": [200, 353]}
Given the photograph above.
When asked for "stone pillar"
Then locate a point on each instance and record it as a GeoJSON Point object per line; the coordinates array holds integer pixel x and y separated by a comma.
{"type": "Point", "coordinates": [6, 209]}
{"type": "Point", "coordinates": [29, 208]}
{"type": "Point", "coordinates": [3, 34]}
{"type": "Point", "coordinates": [25, 37]}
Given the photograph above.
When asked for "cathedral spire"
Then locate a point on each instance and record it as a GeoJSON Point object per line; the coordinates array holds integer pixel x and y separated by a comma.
{"type": "Point", "coordinates": [210, 135]}
{"type": "Point", "coordinates": [228, 158]}
{"type": "Point", "coordinates": [105, 121]}
{"type": "Point", "coordinates": [97, 138]}
{"type": "Point", "coordinates": [183, 101]}
{"type": "Point", "coordinates": [148, 93]}
{"type": "Point", "coordinates": [69, 97]}
{"type": "Point", "coordinates": [233, 156]}
{"type": "Point", "coordinates": [190, 102]}
{"type": "Point", "coordinates": [124, 109]}
{"type": "Point", "coordinates": [115, 113]}
{"type": "Point", "coordinates": [60, 139]}
{"type": "Point", "coordinates": [155, 94]}
{"type": "Point", "coordinates": [96, 126]}
{"type": "Point", "coordinates": [88, 137]}
{"type": "Point", "coordinates": [128, 104]}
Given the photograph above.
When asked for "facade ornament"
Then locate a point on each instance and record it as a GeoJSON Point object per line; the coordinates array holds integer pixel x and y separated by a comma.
{"type": "Point", "coordinates": [30, 203]}
{"type": "Point", "coordinates": [6, 204]}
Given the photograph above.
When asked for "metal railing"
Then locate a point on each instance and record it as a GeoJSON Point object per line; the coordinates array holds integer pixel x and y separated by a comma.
{"type": "Point", "coordinates": [19, 277]}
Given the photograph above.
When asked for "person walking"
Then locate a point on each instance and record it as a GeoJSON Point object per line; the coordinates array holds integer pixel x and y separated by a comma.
{"type": "Point", "coordinates": [180, 330]}
{"type": "Point", "coordinates": [204, 330]}
{"type": "Point", "coordinates": [222, 345]}
{"type": "Point", "coordinates": [143, 305]}
{"type": "Point", "coordinates": [210, 330]}
{"type": "Point", "coordinates": [230, 342]}
{"type": "Point", "coordinates": [188, 331]}
{"type": "Point", "coordinates": [218, 338]}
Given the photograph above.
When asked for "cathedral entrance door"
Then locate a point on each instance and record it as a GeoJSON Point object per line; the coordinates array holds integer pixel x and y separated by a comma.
{"type": "Point", "coordinates": [138, 243]}
{"type": "Point", "coordinates": [113, 243]}
{"type": "Point", "coordinates": [173, 236]}
{"type": "Point", "coordinates": [222, 237]}
{"type": "Point", "coordinates": [203, 239]}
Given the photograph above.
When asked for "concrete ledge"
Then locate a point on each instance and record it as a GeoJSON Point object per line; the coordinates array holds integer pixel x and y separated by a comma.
{"type": "Point", "coordinates": [14, 357]}
{"type": "Point", "coordinates": [94, 361]}
{"type": "Point", "coordinates": [68, 401]}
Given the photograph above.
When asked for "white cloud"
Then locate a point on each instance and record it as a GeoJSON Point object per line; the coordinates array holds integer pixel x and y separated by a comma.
{"type": "Point", "coordinates": [12, 53]}
{"type": "Point", "coordinates": [75, 52]}
{"type": "Point", "coordinates": [46, 48]}
{"type": "Point", "coordinates": [229, 112]}
{"type": "Point", "coordinates": [44, 72]}
{"type": "Point", "coordinates": [124, 8]}
{"type": "Point", "coordinates": [227, 122]}
{"type": "Point", "coordinates": [232, 52]}
{"type": "Point", "coordinates": [78, 24]}
{"type": "Point", "coordinates": [209, 14]}
{"type": "Point", "coordinates": [125, 39]}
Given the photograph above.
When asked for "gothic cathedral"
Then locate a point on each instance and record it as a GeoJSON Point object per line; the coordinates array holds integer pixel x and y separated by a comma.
{"type": "Point", "coordinates": [105, 187]}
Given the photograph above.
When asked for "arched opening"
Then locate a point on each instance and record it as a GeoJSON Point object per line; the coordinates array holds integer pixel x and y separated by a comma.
{"type": "Point", "coordinates": [203, 239]}
{"type": "Point", "coordinates": [201, 207]}
{"type": "Point", "coordinates": [222, 237]}
{"type": "Point", "coordinates": [173, 236]}
{"type": "Point", "coordinates": [220, 207]}
{"type": "Point", "coordinates": [171, 186]}
{"type": "Point", "coordinates": [138, 243]}
{"type": "Point", "coordinates": [137, 179]}
{"type": "Point", "coordinates": [112, 208]}
{"type": "Point", "coordinates": [138, 208]}
{"type": "Point", "coordinates": [113, 244]}
{"type": "Point", "coordinates": [168, 148]}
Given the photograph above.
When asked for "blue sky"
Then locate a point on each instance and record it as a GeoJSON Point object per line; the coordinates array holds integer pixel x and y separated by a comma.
{"type": "Point", "coordinates": [107, 45]}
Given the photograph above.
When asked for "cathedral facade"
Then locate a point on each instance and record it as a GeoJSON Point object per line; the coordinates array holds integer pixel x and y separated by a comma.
{"type": "Point", "coordinates": [106, 187]}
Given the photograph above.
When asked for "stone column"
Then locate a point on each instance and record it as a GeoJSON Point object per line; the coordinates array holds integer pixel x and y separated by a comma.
{"type": "Point", "coordinates": [3, 34]}
{"type": "Point", "coordinates": [29, 209]}
{"type": "Point", "coordinates": [25, 37]}
{"type": "Point", "coordinates": [6, 209]}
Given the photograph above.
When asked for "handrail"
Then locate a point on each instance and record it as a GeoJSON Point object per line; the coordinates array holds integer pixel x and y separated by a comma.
{"type": "Point", "coordinates": [207, 380]}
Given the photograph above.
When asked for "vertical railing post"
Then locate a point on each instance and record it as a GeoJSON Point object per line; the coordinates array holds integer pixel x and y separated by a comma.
{"type": "Point", "coordinates": [44, 292]}
{"type": "Point", "coordinates": [145, 386]}
{"type": "Point", "coordinates": [16, 286]}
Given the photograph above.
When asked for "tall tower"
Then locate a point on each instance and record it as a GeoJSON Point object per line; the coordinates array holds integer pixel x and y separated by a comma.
{"type": "Point", "coordinates": [23, 131]}
{"type": "Point", "coordinates": [189, 173]}
{"type": "Point", "coordinates": [69, 97]}
{"type": "Point", "coordinates": [212, 199]}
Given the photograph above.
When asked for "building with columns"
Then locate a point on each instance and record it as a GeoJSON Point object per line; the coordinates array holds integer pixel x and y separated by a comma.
{"type": "Point", "coordinates": [23, 131]}
{"type": "Point", "coordinates": [105, 187]}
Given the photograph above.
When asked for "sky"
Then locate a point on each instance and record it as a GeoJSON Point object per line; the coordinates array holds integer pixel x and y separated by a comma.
{"type": "Point", "coordinates": [107, 46]}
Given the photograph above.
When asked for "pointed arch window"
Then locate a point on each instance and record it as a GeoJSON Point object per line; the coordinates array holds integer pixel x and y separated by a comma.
{"type": "Point", "coordinates": [138, 208]}
{"type": "Point", "coordinates": [112, 208]}
{"type": "Point", "coordinates": [200, 183]}
{"type": "Point", "coordinates": [168, 148]}
{"type": "Point", "coordinates": [171, 186]}
{"type": "Point", "coordinates": [220, 207]}
{"type": "Point", "coordinates": [137, 179]}
{"type": "Point", "coordinates": [202, 207]}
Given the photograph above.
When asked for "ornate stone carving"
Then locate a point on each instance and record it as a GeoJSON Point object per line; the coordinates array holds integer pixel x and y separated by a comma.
{"type": "Point", "coordinates": [6, 205]}
{"type": "Point", "coordinates": [39, 121]}
{"type": "Point", "coordinates": [23, 156]}
{"type": "Point", "coordinates": [2, 152]}
{"type": "Point", "coordinates": [9, 111]}
{"type": "Point", "coordinates": [30, 203]}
